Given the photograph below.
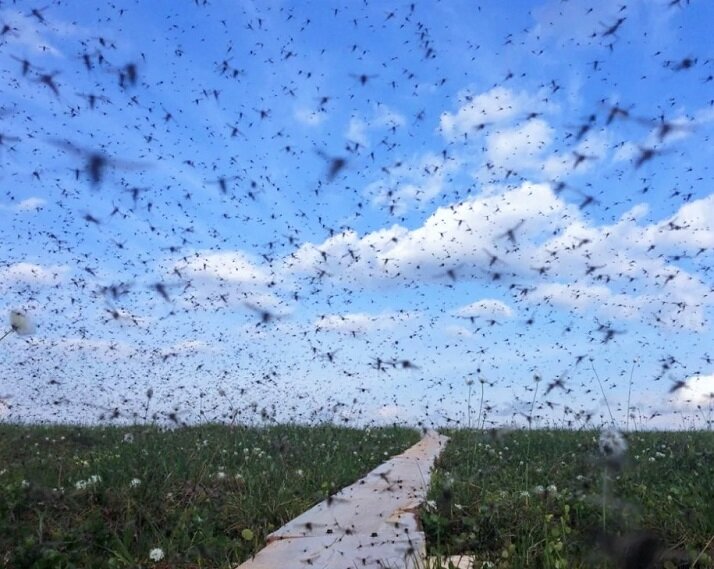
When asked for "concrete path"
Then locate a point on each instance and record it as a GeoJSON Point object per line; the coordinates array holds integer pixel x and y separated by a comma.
{"type": "Point", "coordinates": [370, 524]}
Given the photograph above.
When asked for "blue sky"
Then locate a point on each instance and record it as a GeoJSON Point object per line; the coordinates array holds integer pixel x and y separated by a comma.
{"type": "Point", "coordinates": [353, 210]}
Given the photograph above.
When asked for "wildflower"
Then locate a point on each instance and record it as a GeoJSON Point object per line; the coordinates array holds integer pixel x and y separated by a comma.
{"type": "Point", "coordinates": [552, 489]}
{"type": "Point", "coordinates": [539, 490]}
{"type": "Point", "coordinates": [156, 554]}
{"type": "Point", "coordinates": [91, 481]}
{"type": "Point", "coordinates": [220, 475]}
{"type": "Point", "coordinates": [134, 483]}
{"type": "Point", "coordinates": [128, 438]}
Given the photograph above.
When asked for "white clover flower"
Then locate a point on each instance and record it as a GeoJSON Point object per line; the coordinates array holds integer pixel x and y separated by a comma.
{"type": "Point", "coordinates": [24, 484]}
{"type": "Point", "coordinates": [134, 483]}
{"type": "Point", "coordinates": [220, 475]}
{"type": "Point", "coordinates": [21, 323]}
{"type": "Point", "coordinates": [156, 554]}
{"type": "Point", "coordinates": [91, 481]}
{"type": "Point", "coordinates": [552, 489]}
{"type": "Point", "coordinates": [128, 438]}
{"type": "Point", "coordinates": [539, 490]}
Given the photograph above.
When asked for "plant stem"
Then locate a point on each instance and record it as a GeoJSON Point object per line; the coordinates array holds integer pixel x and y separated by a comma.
{"type": "Point", "coordinates": [480, 406]}
{"type": "Point", "coordinates": [6, 334]}
{"type": "Point", "coordinates": [530, 423]}
{"type": "Point", "coordinates": [629, 391]}
{"type": "Point", "coordinates": [603, 393]}
{"type": "Point", "coordinates": [604, 500]}
{"type": "Point", "coordinates": [468, 407]}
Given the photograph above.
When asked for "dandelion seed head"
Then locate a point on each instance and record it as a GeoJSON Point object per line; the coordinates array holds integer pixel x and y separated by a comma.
{"type": "Point", "coordinates": [612, 444]}
{"type": "Point", "coordinates": [21, 323]}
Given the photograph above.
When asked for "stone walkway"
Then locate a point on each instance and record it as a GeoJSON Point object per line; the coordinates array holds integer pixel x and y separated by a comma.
{"type": "Point", "coordinates": [371, 524]}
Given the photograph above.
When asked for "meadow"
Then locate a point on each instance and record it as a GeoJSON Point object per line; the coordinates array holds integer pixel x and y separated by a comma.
{"type": "Point", "coordinates": [203, 496]}
{"type": "Point", "coordinates": [207, 496]}
{"type": "Point", "coordinates": [547, 498]}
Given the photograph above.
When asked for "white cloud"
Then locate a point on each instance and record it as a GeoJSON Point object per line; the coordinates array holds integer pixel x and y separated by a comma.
{"type": "Point", "coordinates": [521, 146]}
{"type": "Point", "coordinates": [382, 117]}
{"type": "Point", "coordinates": [456, 331]}
{"type": "Point", "coordinates": [30, 273]}
{"type": "Point", "coordinates": [29, 34]}
{"type": "Point", "coordinates": [361, 322]}
{"type": "Point", "coordinates": [225, 266]}
{"type": "Point", "coordinates": [611, 269]}
{"type": "Point", "coordinates": [357, 131]}
{"type": "Point", "coordinates": [309, 117]}
{"type": "Point", "coordinates": [699, 390]}
{"type": "Point", "coordinates": [491, 107]}
{"type": "Point", "coordinates": [486, 307]}
{"type": "Point", "coordinates": [415, 181]}
{"type": "Point", "coordinates": [29, 204]}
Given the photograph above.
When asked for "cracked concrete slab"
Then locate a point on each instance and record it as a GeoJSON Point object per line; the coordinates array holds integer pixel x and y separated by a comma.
{"type": "Point", "coordinates": [370, 524]}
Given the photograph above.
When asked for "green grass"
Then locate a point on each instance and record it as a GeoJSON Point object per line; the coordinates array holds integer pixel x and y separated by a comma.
{"type": "Point", "coordinates": [207, 495]}
{"type": "Point", "coordinates": [535, 499]}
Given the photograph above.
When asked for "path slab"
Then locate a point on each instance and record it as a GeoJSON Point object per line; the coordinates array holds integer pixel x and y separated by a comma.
{"type": "Point", "coordinates": [370, 524]}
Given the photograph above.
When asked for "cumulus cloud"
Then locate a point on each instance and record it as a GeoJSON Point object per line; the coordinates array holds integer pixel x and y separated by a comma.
{"type": "Point", "coordinates": [29, 204]}
{"type": "Point", "coordinates": [361, 322]}
{"type": "Point", "coordinates": [357, 131]}
{"type": "Point", "coordinates": [31, 274]}
{"type": "Point", "coordinates": [309, 117]}
{"type": "Point", "coordinates": [31, 35]}
{"type": "Point", "coordinates": [382, 117]}
{"type": "Point", "coordinates": [698, 391]}
{"type": "Point", "coordinates": [521, 146]}
{"type": "Point", "coordinates": [234, 267]}
{"type": "Point", "coordinates": [486, 307]}
{"type": "Point", "coordinates": [227, 278]}
{"type": "Point", "coordinates": [497, 105]}
{"type": "Point", "coordinates": [531, 238]}
{"type": "Point", "coordinates": [415, 181]}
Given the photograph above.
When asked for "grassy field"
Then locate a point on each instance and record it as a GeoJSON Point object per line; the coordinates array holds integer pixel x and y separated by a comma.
{"type": "Point", "coordinates": [536, 499]}
{"type": "Point", "coordinates": [205, 496]}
